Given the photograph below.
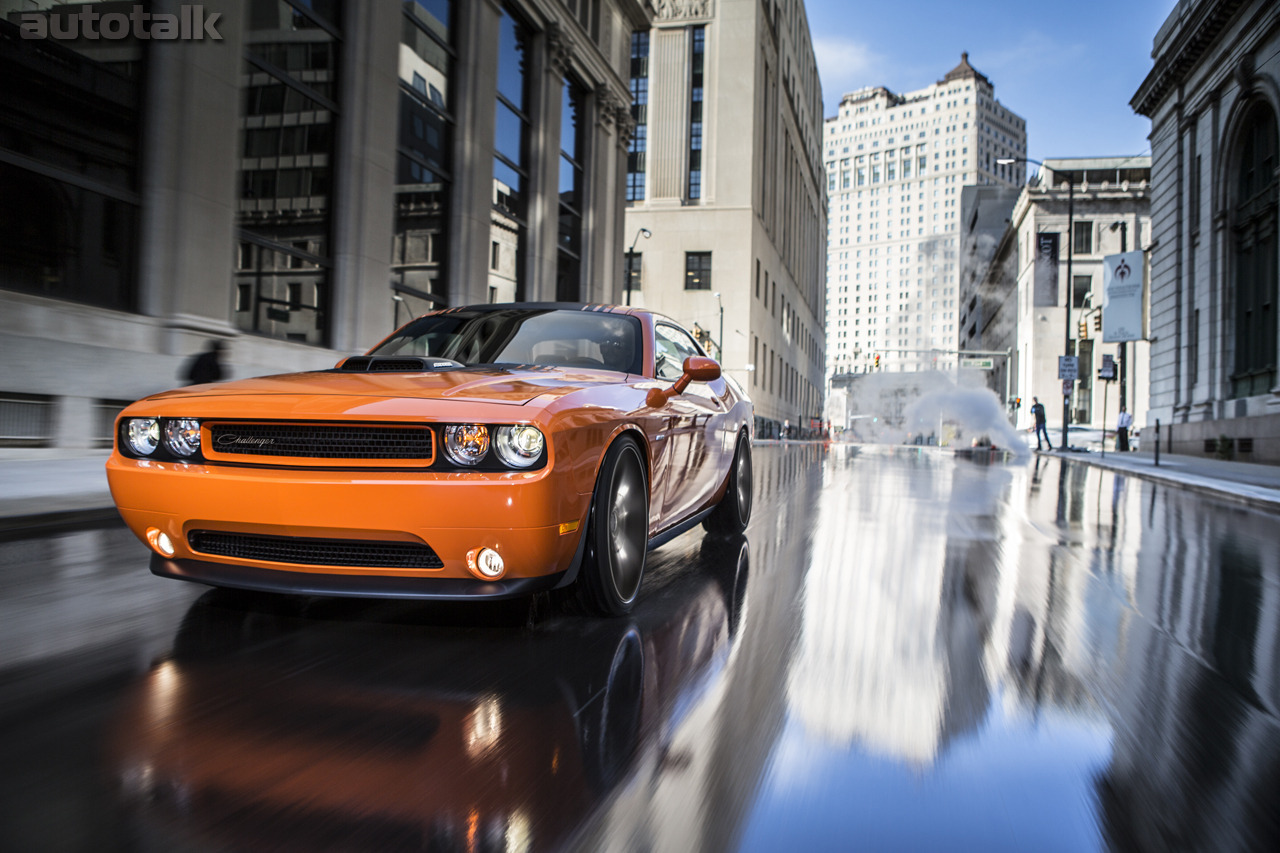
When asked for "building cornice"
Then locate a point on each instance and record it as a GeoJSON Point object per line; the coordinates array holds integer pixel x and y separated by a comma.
{"type": "Point", "coordinates": [1195, 34]}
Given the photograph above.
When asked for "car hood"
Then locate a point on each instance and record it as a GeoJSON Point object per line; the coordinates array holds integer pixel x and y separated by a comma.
{"type": "Point", "coordinates": [508, 385]}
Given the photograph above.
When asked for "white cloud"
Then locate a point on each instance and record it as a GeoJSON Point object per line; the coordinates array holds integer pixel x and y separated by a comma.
{"type": "Point", "coordinates": [845, 64]}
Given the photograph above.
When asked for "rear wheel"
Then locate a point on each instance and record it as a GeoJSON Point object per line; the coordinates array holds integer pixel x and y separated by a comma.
{"type": "Point", "coordinates": [617, 533]}
{"type": "Point", "coordinates": [734, 510]}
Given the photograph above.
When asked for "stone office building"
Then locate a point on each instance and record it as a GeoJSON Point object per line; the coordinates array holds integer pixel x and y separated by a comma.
{"type": "Point", "coordinates": [1213, 96]}
{"type": "Point", "coordinates": [295, 187]}
{"type": "Point", "coordinates": [725, 175]}
{"type": "Point", "coordinates": [1109, 206]}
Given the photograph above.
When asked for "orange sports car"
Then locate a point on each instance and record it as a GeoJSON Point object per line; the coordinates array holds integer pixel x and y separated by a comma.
{"type": "Point", "coordinates": [484, 452]}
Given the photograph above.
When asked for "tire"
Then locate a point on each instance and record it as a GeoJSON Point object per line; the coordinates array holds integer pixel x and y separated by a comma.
{"type": "Point", "coordinates": [617, 533]}
{"type": "Point", "coordinates": [733, 512]}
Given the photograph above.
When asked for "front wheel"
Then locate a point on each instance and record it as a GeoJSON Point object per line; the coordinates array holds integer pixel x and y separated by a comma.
{"type": "Point", "coordinates": [734, 510]}
{"type": "Point", "coordinates": [617, 533]}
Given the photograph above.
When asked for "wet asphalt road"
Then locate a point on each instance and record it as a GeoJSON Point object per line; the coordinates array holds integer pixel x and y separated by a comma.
{"type": "Point", "coordinates": [907, 651]}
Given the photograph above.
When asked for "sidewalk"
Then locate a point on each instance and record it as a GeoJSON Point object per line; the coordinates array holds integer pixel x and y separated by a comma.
{"type": "Point", "coordinates": [44, 489]}
{"type": "Point", "coordinates": [1240, 482]}
{"type": "Point", "coordinates": [47, 489]}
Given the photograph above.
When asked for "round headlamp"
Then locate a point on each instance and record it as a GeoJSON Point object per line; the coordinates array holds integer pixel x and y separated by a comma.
{"type": "Point", "coordinates": [182, 436]}
{"type": "Point", "coordinates": [519, 446]}
{"type": "Point", "coordinates": [466, 444]}
{"type": "Point", "coordinates": [142, 435]}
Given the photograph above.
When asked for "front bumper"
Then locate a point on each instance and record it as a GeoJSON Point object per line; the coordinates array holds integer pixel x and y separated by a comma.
{"type": "Point", "coordinates": [519, 515]}
{"type": "Point", "coordinates": [356, 586]}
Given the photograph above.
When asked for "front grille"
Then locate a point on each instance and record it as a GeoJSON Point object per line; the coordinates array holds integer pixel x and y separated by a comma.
{"type": "Point", "coordinates": [322, 441]}
{"type": "Point", "coordinates": [315, 552]}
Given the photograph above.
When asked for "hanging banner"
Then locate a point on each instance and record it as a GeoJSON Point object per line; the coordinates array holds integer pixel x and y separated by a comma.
{"type": "Point", "coordinates": [1046, 268]}
{"type": "Point", "coordinates": [1122, 297]}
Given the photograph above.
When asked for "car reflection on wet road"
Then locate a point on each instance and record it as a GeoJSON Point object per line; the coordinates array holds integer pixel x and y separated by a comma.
{"type": "Point", "coordinates": [908, 650]}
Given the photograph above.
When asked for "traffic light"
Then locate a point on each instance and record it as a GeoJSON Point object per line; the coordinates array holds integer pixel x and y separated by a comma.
{"type": "Point", "coordinates": [1017, 402]}
{"type": "Point", "coordinates": [877, 361]}
{"type": "Point", "coordinates": [1082, 330]}
{"type": "Point", "coordinates": [1097, 322]}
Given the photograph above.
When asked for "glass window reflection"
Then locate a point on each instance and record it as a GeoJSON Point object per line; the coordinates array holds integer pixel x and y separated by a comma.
{"type": "Point", "coordinates": [424, 160]}
{"type": "Point", "coordinates": [510, 169]}
{"type": "Point", "coordinates": [286, 148]}
{"type": "Point", "coordinates": [568, 261]}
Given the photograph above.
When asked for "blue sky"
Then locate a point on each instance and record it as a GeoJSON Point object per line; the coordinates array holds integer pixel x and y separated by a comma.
{"type": "Point", "coordinates": [1068, 69]}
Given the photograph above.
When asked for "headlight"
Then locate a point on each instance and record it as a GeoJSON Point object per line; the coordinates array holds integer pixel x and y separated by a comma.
{"type": "Point", "coordinates": [519, 446]}
{"type": "Point", "coordinates": [182, 436]}
{"type": "Point", "coordinates": [142, 435]}
{"type": "Point", "coordinates": [466, 444]}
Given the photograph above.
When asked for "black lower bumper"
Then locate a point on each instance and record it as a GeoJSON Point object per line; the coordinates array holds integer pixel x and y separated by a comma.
{"type": "Point", "coordinates": [355, 586]}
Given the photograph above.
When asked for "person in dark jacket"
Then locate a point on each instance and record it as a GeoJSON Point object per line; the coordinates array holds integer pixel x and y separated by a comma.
{"type": "Point", "coordinates": [207, 366]}
{"type": "Point", "coordinates": [1037, 412]}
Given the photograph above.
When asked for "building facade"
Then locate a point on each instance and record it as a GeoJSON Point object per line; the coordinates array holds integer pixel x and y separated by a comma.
{"type": "Point", "coordinates": [1019, 303]}
{"type": "Point", "coordinates": [295, 187]}
{"type": "Point", "coordinates": [1213, 96]}
{"type": "Point", "coordinates": [895, 168]}
{"type": "Point", "coordinates": [725, 177]}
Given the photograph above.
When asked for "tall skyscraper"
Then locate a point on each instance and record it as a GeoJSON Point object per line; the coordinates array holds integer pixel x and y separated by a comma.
{"type": "Point", "coordinates": [895, 166]}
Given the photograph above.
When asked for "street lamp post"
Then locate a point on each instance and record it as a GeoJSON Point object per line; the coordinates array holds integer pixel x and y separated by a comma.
{"type": "Point", "coordinates": [1066, 346]}
{"type": "Point", "coordinates": [631, 252]}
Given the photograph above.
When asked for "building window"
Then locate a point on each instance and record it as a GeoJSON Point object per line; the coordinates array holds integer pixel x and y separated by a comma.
{"type": "Point", "coordinates": [510, 145]}
{"type": "Point", "coordinates": [1081, 287]}
{"type": "Point", "coordinates": [69, 170]}
{"type": "Point", "coordinates": [697, 270]}
{"type": "Point", "coordinates": [638, 146]}
{"type": "Point", "coordinates": [424, 153]}
{"type": "Point", "coordinates": [697, 61]}
{"type": "Point", "coordinates": [1082, 238]}
{"type": "Point", "coordinates": [1253, 253]}
{"type": "Point", "coordinates": [495, 255]}
{"type": "Point", "coordinates": [572, 139]}
{"type": "Point", "coordinates": [289, 109]}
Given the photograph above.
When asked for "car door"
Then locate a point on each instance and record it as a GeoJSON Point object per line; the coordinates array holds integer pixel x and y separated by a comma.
{"type": "Point", "coordinates": [695, 445]}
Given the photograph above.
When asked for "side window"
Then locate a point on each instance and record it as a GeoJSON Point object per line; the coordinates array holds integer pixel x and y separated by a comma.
{"type": "Point", "coordinates": [673, 347]}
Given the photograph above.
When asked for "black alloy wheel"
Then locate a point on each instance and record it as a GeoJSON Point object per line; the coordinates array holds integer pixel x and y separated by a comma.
{"type": "Point", "coordinates": [617, 534]}
{"type": "Point", "coordinates": [733, 512]}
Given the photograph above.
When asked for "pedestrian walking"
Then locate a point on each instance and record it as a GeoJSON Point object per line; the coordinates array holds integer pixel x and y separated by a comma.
{"type": "Point", "coordinates": [1123, 423]}
{"type": "Point", "coordinates": [1037, 412]}
{"type": "Point", "coordinates": [206, 366]}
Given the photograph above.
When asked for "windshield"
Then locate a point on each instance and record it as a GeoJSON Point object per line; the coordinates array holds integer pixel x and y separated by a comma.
{"type": "Point", "coordinates": [556, 337]}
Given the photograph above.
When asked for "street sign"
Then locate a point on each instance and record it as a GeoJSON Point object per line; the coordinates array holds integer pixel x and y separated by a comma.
{"type": "Point", "coordinates": [972, 363]}
{"type": "Point", "coordinates": [1068, 367]}
{"type": "Point", "coordinates": [1066, 387]}
{"type": "Point", "coordinates": [1108, 369]}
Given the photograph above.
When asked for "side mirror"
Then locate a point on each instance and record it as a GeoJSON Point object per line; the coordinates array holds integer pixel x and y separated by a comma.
{"type": "Point", "coordinates": [697, 368]}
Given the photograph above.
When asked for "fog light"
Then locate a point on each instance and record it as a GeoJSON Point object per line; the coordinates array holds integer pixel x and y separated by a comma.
{"type": "Point", "coordinates": [485, 563]}
{"type": "Point", "coordinates": [160, 541]}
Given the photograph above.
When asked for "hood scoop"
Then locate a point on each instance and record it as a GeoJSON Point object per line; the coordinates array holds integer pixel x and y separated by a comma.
{"type": "Point", "coordinates": [396, 364]}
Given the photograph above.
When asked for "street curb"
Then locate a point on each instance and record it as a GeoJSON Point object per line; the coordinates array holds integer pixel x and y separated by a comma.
{"type": "Point", "coordinates": [1200, 485]}
{"type": "Point", "coordinates": [41, 523]}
